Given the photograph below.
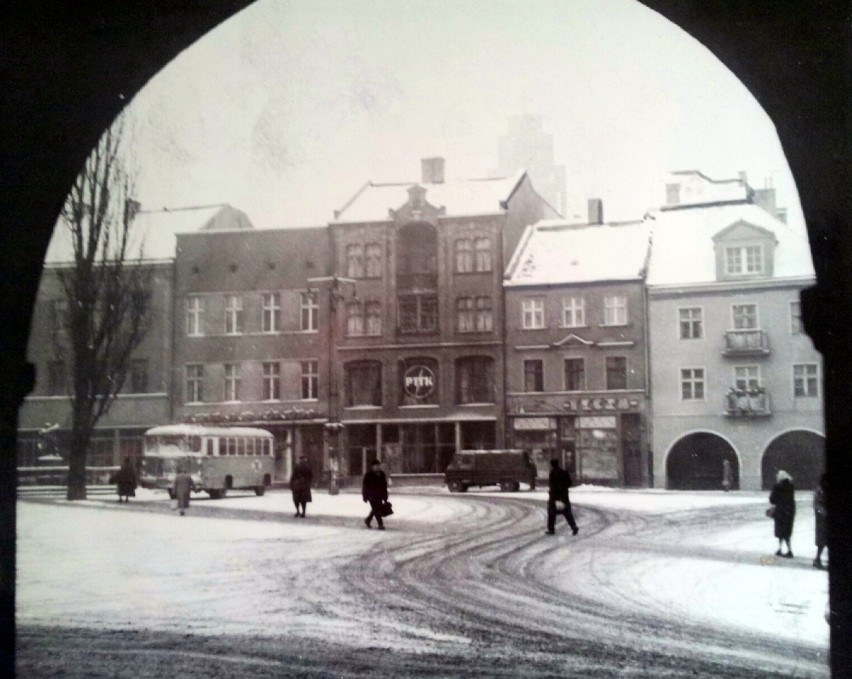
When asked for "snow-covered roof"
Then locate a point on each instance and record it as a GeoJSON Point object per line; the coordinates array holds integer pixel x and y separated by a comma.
{"type": "Point", "coordinates": [155, 230]}
{"type": "Point", "coordinates": [459, 197]}
{"type": "Point", "coordinates": [557, 252]}
{"type": "Point", "coordinates": [683, 248]}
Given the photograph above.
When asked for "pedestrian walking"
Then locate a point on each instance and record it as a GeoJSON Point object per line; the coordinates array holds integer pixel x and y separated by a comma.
{"type": "Point", "coordinates": [375, 491]}
{"type": "Point", "coordinates": [181, 489]}
{"type": "Point", "coordinates": [300, 485]}
{"type": "Point", "coordinates": [532, 470]}
{"type": "Point", "coordinates": [559, 482]}
{"type": "Point", "coordinates": [125, 481]}
{"type": "Point", "coordinates": [821, 521]}
{"type": "Point", "coordinates": [727, 475]}
{"type": "Point", "coordinates": [783, 499]}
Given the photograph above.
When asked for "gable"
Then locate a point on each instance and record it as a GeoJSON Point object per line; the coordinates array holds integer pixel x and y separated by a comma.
{"type": "Point", "coordinates": [742, 231]}
{"type": "Point", "coordinates": [573, 340]}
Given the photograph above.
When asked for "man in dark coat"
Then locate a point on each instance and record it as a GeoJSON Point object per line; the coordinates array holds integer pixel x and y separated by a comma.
{"type": "Point", "coordinates": [784, 499]}
{"type": "Point", "coordinates": [560, 482]}
{"type": "Point", "coordinates": [125, 481]}
{"type": "Point", "coordinates": [375, 491]}
{"type": "Point", "coordinates": [300, 485]}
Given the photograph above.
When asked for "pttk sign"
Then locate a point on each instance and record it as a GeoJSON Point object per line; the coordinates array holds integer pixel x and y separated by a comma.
{"type": "Point", "coordinates": [419, 381]}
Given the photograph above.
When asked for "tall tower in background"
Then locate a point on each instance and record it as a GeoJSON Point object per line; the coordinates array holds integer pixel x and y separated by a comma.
{"type": "Point", "coordinates": [527, 146]}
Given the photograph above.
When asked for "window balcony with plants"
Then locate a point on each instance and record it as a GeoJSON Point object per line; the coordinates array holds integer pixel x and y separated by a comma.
{"type": "Point", "coordinates": [747, 403]}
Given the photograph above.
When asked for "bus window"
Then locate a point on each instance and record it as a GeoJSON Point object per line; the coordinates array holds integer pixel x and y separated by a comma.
{"type": "Point", "coordinates": [266, 447]}
{"type": "Point", "coordinates": [194, 444]}
{"type": "Point", "coordinates": [210, 446]}
{"type": "Point", "coordinates": [241, 446]}
{"type": "Point", "coordinates": [252, 449]}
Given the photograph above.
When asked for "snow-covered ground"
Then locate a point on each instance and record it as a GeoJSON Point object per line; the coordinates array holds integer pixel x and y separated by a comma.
{"type": "Point", "coordinates": [228, 565]}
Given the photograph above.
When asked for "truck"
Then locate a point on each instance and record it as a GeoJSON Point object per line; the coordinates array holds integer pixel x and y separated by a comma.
{"type": "Point", "coordinates": [504, 468]}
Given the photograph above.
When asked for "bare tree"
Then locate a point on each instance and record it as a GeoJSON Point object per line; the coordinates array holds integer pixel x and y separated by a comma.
{"type": "Point", "coordinates": [107, 291]}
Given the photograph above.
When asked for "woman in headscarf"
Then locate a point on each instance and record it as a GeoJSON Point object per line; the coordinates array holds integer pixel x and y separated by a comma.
{"type": "Point", "coordinates": [783, 499]}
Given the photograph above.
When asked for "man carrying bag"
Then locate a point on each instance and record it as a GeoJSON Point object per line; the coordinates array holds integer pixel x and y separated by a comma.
{"type": "Point", "coordinates": [375, 491]}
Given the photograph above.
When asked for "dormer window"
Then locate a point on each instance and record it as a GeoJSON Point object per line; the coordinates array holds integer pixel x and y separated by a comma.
{"type": "Point", "coordinates": [743, 260]}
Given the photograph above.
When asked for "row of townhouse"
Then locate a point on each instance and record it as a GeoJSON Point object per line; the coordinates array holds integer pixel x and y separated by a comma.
{"type": "Point", "coordinates": [433, 316]}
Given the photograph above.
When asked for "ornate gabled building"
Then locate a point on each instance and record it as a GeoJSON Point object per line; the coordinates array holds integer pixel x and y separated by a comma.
{"type": "Point", "coordinates": [734, 377]}
{"type": "Point", "coordinates": [418, 348]}
{"type": "Point", "coordinates": [575, 339]}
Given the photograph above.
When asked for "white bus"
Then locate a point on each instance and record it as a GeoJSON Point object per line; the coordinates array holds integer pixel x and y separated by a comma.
{"type": "Point", "coordinates": [218, 458]}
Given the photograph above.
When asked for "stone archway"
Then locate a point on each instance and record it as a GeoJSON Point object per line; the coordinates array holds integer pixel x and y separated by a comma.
{"type": "Point", "coordinates": [799, 453]}
{"type": "Point", "coordinates": [695, 462]}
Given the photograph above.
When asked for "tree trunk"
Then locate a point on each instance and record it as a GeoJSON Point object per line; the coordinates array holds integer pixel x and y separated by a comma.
{"type": "Point", "coordinates": [77, 465]}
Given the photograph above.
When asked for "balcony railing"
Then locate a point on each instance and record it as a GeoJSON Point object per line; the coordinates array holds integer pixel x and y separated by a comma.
{"type": "Point", "coordinates": [417, 281]}
{"type": "Point", "coordinates": [747, 403]}
{"type": "Point", "coordinates": [746, 343]}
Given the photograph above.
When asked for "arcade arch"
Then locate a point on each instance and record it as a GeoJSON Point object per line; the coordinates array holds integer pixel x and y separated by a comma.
{"type": "Point", "coordinates": [695, 462]}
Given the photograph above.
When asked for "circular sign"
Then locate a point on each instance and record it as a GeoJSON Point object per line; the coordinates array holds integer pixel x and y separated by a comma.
{"type": "Point", "coordinates": [418, 381]}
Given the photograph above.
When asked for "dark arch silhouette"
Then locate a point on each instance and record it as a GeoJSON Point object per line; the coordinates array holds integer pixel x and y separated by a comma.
{"type": "Point", "coordinates": [799, 453]}
{"type": "Point", "coordinates": [696, 461]}
{"type": "Point", "coordinates": [68, 68]}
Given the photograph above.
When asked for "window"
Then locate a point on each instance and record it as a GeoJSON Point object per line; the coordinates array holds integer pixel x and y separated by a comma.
{"type": "Point", "coordinates": [464, 314]}
{"type": "Point", "coordinates": [194, 383]}
{"type": "Point", "coordinates": [475, 380]}
{"type": "Point", "coordinates": [743, 260]}
{"type": "Point", "coordinates": [575, 374]}
{"type": "Point", "coordinates": [484, 315]}
{"type": "Point", "coordinates": [418, 313]}
{"type": "Point", "coordinates": [56, 379]}
{"type": "Point", "coordinates": [194, 316]}
{"type": "Point", "coordinates": [271, 303]}
{"type": "Point", "coordinates": [139, 376]}
{"type": "Point", "coordinates": [690, 323]}
{"type": "Point", "coordinates": [573, 312]}
{"type": "Point", "coordinates": [745, 316]}
{"type": "Point", "coordinates": [615, 310]}
{"type": "Point", "coordinates": [616, 372]}
{"type": "Point", "coordinates": [464, 256]}
{"type": "Point", "coordinates": [59, 315]}
{"type": "Point", "coordinates": [233, 314]}
{"type": "Point", "coordinates": [363, 384]}
{"type": "Point", "coordinates": [806, 380]}
{"type": "Point", "coordinates": [747, 377]}
{"type": "Point", "coordinates": [533, 375]}
{"type": "Point", "coordinates": [482, 249]}
{"type": "Point", "coordinates": [532, 314]}
{"type": "Point", "coordinates": [796, 327]}
{"type": "Point", "coordinates": [373, 312]}
{"type": "Point", "coordinates": [355, 261]}
{"type": "Point", "coordinates": [374, 261]}
{"type": "Point", "coordinates": [232, 381]}
{"type": "Point", "coordinates": [354, 319]}
{"type": "Point", "coordinates": [310, 380]}
{"type": "Point", "coordinates": [310, 310]}
{"type": "Point", "coordinates": [692, 384]}
{"type": "Point", "coordinates": [271, 381]}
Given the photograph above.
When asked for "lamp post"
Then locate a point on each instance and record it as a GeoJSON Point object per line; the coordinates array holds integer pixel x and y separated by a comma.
{"type": "Point", "coordinates": [333, 427]}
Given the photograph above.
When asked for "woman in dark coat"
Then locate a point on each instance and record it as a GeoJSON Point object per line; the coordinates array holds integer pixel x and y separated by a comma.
{"type": "Point", "coordinates": [784, 499]}
{"type": "Point", "coordinates": [821, 519]}
{"type": "Point", "coordinates": [375, 491]}
{"type": "Point", "coordinates": [182, 488]}
{"type": "Point", "coordinates": [125, 481]}
{"type": "Point", "coordinates": [300, 485]}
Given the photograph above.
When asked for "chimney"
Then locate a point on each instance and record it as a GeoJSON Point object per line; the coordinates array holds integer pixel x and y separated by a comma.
{"type": "Point", "coordinates": [432, 170]}
{"type": "Point", "coordinates": [595, 211]}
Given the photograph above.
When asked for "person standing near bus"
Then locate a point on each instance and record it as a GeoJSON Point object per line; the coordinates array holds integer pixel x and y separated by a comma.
{"type": "Point", "coordinates": [182, 488]}
{"type": "Point", "coordinates": [375, 491]}
{"type": "Point", "coordinates": [300, 485]}
{"type": "Point", "coordinates": [125, 481]}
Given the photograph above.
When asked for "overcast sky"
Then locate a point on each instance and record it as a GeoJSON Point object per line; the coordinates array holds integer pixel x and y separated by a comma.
{"type": "Point", "coordinates": [285, 110]}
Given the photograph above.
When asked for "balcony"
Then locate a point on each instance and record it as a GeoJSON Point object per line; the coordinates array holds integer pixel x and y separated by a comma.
{"type": "Point", "coordinates": [746, 343]}
{"type": "Point", "coordinates": [747, 403]}
{"type": "Point", "coordinates": [417, 281]}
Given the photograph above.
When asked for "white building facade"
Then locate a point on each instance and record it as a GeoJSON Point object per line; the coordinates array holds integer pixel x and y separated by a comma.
{"type": "Point", "coordinates": [733, 375]}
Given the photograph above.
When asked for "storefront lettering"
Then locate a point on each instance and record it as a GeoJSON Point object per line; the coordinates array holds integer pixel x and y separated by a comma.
{"type": "Point", "coordinates": [601, 403]}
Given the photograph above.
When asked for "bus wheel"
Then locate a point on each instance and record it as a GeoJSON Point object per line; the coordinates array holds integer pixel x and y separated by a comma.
{"type": "Point", "coordinates": [455, 486]}
{"type": "Point", "coordinates": [505, 486]}
{"type": "Point", "coordinates": [171, 493]}
{"type": "Point", "coordinates": [216, 494]}
{"type": "Point", "coordinates": [259, 490]}
{"type": "Point", "coordinates": [516, 486]}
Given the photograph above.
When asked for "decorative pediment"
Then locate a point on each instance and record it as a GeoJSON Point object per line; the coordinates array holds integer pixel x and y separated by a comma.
{"type": "Point", "coordinates": [742, 230]}
{"type": "Point", "coordinates": [573, 340]}
{"type": "Point", "coordinates": [417, 208]}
